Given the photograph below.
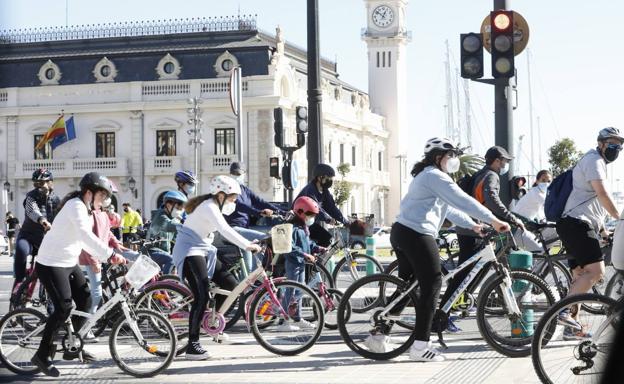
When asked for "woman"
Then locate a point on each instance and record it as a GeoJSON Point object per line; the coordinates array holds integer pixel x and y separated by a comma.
{"type": "Point", "coordinates": [432, 197]}
{"type": "Point", "coordinates": [531, 207]}
{"type": "Point", "coordinates": [57, 263]}
{"type": "Point", "coordinates": [195, 257]}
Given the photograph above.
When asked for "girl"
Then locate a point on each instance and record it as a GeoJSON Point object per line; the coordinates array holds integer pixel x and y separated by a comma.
{"type": "Point", "coordinates": [195, 257]}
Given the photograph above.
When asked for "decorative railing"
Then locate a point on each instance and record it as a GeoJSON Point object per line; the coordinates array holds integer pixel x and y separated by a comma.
{"type": "Point", "coordinates": [162, 165]}
{"type": "Point", "coordinates": [132, 28]}
{"type": "Point", "coordinates": [219, 86]}
{"type": "Point", "coordinates": [218, 163]}
{"type": "Point", "coordinates": [4, 96]}
{"type": "Point", "coordinates": [109, 166]}
{"type": "Point", "coordinates": [166, 89]}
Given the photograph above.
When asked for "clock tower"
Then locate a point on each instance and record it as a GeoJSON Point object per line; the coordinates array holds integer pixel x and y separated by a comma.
{"type": "Point", "coordinates": [386, 37]}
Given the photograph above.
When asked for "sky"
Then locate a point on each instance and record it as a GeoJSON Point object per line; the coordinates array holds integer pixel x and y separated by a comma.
{"type": "Point", "coordinates": [574, 45]}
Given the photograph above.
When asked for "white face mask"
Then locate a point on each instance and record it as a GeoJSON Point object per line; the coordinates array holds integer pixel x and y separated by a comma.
{"type": "Point", "coordinates": [240, 179]}
{"type": "Point", "coordinates": [107, 202]}
{"type": "Point", "coordinates": [452, 165]}
{"type": "Point", "coordinates": [189, 189]}
{"type": "Point", "coordinates": [310, 220]}
{"type": "Point", "coordinates": [176, 213]}
{"type": "Point", "coordinates": [543, 187]}
{"type": "Point", "coordinates": [228, 208]}
{"type": "Point", "coordinates": [504, 170]}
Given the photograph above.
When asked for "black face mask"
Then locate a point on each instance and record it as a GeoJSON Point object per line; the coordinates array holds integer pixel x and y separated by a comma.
{"type": "Point", "coordinates": [611, 153]}
{"type": "Point", "coordinates": [43, 190]}
{"type": "Point", "coordinates": [126, 209]}
{"type": "Point", "coordinates": [327, 183]}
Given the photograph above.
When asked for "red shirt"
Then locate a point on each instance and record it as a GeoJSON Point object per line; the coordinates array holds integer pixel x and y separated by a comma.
{"type": "Point", "coordinates": [101, 228]}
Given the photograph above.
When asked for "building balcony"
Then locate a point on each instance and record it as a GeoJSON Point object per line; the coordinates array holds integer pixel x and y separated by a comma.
{"type": "Point", "coordinates": [162, 165]}
{"type": "Point", "coordinates": [108, 166]}
{"type": "Point", "coordinates": [218, 163]}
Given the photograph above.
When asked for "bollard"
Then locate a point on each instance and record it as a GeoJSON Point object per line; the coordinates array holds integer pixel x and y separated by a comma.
{"type": "Point", "coordinates": [521, 259]}
{"type": "Point", "coordinates": [370, 251]}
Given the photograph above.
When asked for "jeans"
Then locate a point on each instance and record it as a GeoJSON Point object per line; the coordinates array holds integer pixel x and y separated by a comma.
{"type": "Point", "coordinates": [295, 270]}
{"type": "Point", "coordinates": [250, 235]}
{"type": "Point", "coordinates": [162, 258]}
{"type": "Point", "coordinates": [95, 285]}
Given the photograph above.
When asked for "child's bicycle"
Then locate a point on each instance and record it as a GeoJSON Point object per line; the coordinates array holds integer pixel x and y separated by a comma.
{"type": "Point", "coordinates": [142, 342]}
{"type": "Point", "coordinates": [28, 292]}
{"type": "Point", "coordinates": [272, 322]}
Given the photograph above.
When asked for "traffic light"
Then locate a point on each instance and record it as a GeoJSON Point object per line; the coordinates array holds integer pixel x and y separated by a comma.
{"type": "Point", "coordinates": [302, 120]}
{"type": "Point", "coordinates": [278, 127]}
{"type": "Point", "coordinates": [286, 180]}
{"type": "Point", "coordinates": [471, 55]}
{"type": "Point", "coordinates": [274, 167]}
{"type": "Point", "coordinates": [300, 140]}
{"type": "Point", "coordinates": [502, 43]}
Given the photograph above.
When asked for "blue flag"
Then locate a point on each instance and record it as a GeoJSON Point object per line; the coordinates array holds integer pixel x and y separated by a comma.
{"type": "Point", "coordinates": [69, 134]}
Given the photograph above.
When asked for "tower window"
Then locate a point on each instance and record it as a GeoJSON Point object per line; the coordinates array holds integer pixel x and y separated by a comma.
{"type": "Point", "coordinates": [383, 59]}
{"type": "Point", "coordinates": [377, 59]}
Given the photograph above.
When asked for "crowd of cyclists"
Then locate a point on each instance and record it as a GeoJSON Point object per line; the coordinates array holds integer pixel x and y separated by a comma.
{"type": "Point", "coordinates": [80, 230]}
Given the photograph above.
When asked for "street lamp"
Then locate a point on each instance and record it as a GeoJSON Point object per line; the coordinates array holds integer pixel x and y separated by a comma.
{"type": "Point", "coordinates": [195, 132]}
{"type": "Point", "coordinates": [132, 187]}
{"type": "Point", "coordinates": [7, 188]}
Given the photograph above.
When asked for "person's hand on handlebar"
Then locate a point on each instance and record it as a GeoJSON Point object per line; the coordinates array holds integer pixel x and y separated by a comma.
{"type": "Point", "coordinates": [310, 258]}
{"type": "Point", "coordinates": [478, 229]}
{"type": "Point", "coordinates": [253, 247]}
{"type": "Point", "coordinates": [117, 259]}
{"type": "Point", "coordinates": [501, 226]}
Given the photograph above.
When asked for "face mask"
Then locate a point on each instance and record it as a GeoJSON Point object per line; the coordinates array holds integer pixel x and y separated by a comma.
{"type": "Point", "coordinates": [611, 152]}
{"type": "Point", "coordinates": [240, 179]}
{"type": "Point", "coordinates": [189, 189]}
{"type": "Point", "coordinates": [327, 183]}
{"type": "Point", "coordinates": [126, 209]}
{"type": "Point", "coordinates": [228, 208]}
{"type": "Point", "coordinates": [43, 190]}
{"type": "Point", "coordinates": [176, 213]}
{"type": "Point", "coordinates": [504, 170]}
{"type": "Point", "coordinates": [107, 202]}
{"type": "Point", "coordinates": [452, 165]}
{"type": "Point", "coordinates": [543, 187]}
{"type": "Point", "coordinates": [309, 220]}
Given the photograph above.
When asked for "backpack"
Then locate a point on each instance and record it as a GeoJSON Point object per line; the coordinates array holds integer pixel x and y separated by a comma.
{"type": "Point", "coordinates": [557, 195]}
{"type": "Point", "coordinates": [466, 183]}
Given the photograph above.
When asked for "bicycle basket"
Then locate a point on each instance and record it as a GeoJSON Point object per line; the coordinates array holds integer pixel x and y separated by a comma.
{"type": "Point", "coordinates": [281, 236]}
{"type": "Point", "coordinates": [362, 225]}
{"type": "Point", "coordinates": [141, 271]}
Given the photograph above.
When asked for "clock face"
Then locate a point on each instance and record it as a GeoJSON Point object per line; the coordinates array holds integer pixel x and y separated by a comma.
{"type": "Point", "coordinates": [383, 16]}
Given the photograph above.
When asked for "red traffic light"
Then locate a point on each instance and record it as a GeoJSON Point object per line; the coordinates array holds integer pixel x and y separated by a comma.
{"type": "Point", "coordinates": [502, 20]}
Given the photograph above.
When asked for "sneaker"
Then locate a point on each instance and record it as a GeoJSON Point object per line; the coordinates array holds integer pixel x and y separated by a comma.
{"type": "Point", "coordinates": [565, 318]}
{"type": "Point", "coordinates": [287, 326]}
{"type": "Point", "coordinates": [90, 338]}
{"type": "Point", "coordinates": [377, 343]}
{"type": "Point", "coordinates": [451, 327]}
{"type": "Point", "coordinates": [46, 366]}
{"type": "Point", "coordinates": [305, 324]}
{"type": "Point", "coordinates": [426, 354]}
{"type": "Point", "coordinates": [571, 334]}
{"type": "Point", "coordinates": [221, 337]}
{"type": "Point", "coordinates": [194, 351]}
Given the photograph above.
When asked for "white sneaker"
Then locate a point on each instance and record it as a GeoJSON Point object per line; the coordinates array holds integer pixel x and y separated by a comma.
{"type": "Point", "coordinates": [90, 338]}
{"type": "Point", "coordinates": [286, 326]}
{"type": "Point", "coordinates": [377, 343]}
{"type": "Point", "coordinates": [426, 354]}
{"type": "Point", "coordinates": [304, 324]}
{"type": "Point", "coordinates": [221, 337]}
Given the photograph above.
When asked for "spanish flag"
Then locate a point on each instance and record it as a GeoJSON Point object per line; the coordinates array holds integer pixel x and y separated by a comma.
{"type": "Point", "coordinates": [60, 132]}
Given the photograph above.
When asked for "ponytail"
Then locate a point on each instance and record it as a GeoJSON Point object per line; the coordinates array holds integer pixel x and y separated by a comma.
{"type": "Point", "coordinates": [195, 201]}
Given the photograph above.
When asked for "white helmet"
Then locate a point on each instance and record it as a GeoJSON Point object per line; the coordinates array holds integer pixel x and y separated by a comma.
{"type": "Point", "coordinates": [610, 132]}
{"type": "Point", "coordinates": [440, 143]}
{"type": "Point", "coordinates": [224, 184]}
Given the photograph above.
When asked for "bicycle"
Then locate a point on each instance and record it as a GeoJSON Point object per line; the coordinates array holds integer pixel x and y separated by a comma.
{"type": "Point", "coordinates": [137, 332]}
{"type": "Point", "coordinates": [264, 310]}
{"type": "Point", "coordinates": [560, 355]}
{"type": "Point", "coordinates": [508, 301]}
{"type": "Point", "coordinates": [22, 293]}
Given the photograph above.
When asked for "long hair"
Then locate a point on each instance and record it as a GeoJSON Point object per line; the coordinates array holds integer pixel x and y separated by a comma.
{"type": "Point", "coordinates": [429, 159]}
{"type": "Point", "coordinates": [540, 174]}
{"type": "Point", "coordinates": [195, 201]}
{"type": "Point", "coordinates": [70, 196]}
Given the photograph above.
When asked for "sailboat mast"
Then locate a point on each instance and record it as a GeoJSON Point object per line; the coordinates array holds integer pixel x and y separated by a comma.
{"type": "Point", "coordinates": [449, 96]}
{"type": "Point", "coordinates": [528, 56]}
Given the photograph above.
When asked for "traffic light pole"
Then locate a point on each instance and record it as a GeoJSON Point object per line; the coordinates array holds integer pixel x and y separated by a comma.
{"type": "Point", "coordinates": [315, 96]}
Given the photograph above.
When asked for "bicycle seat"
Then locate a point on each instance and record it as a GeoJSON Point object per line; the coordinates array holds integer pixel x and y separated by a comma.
{"type": "Point", "coordinates": [536, 226]}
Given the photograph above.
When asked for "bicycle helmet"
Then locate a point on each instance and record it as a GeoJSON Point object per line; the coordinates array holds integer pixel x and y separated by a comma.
{"type": "Point", "coordinates": [94, 181]}
{"type": "Point", "coordinates": [610, 132]}
{"type": "Point", "coordinates": [113, 187]}
{"type": "Point", "coordinates": [305, 205]}
{"type": "Point", "coordinates": [42, 174]}
{"type": "Point", "coordinates": [440, 143]}
{"type": "Point", "coordinates": [175, 196]}
{"type": "Point", "coordinates": [324, 170]}
{"type": "Point", "coordinates": [224, 184]}
{"type": "Point", "coordinates": [185, 177]}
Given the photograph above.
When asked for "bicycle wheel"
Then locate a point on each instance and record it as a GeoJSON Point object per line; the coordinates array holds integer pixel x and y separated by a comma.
{"type": "Point", "coordinates": [331, 301]}
{"type": "Point", "coordinates": [615, 287]}
{"type": "Point", "coordinates": [145, 354]}
{"type": "Point", "coordinates": [392, 268]}
{"type": "Point", "coordinates": [358, 328]}
{"type": "Point", "coordinates": [174, 302]}
{"type": "Point", "coordinates": [352, 268]}
{"type": "Point", "coordinates": [283, 334]}
{"type": "Point", "coordinates": [326, 276]}
{"type": "Point", "coordinates": [20, 336]}
{"type": "Point", "coordinates": [563, 355]}
{"type": "Point", "coordinates": [505, 332]}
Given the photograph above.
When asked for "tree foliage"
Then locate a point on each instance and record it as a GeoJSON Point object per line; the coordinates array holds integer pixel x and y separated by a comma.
{"type": "Point", "coordinates": [469, 165]}
{"type": "Point", "coordinates": [342, 188]}
{"type": "Point", "coordinates": [563, 155]}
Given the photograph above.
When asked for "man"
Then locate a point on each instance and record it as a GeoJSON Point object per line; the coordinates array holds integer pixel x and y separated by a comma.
{"type": "Point", "coordinates": [130, 222]}
{"type": "Point", "coordinates": [583, 218]}
{"type": "Point", "coordinates": [247, 204]}
{"type": "Point", "coordinates": [13, 225]}
{"type": "Point", "coordinates": [186, 182]}
{"type": "Point", "coordinates": [318, 189]}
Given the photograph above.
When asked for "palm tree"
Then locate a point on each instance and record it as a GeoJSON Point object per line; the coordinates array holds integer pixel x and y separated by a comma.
{"type": "Point", "coordinates": [469, 164]}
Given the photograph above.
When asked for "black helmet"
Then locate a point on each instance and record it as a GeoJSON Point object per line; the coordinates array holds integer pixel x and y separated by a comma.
{"type": "Point", "coordinates": [42, 174]}
{"type": "Point", "coordinates": [93, 181]}
{"type": "Point", "coordinates": [324, 170]}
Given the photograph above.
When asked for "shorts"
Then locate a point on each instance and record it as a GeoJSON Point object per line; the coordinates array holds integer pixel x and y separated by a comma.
{"type": "Point", "coordinates": [580, 240]}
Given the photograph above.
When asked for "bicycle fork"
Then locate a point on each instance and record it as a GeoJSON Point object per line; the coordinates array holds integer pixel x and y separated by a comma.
{"type": "Point", "coordinates": [508, 296]}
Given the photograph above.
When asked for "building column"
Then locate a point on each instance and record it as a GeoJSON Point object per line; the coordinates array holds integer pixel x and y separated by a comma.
{"type": "Point", "coordinates": [11, 159]}
{"type": "Point", "coordinates": [136, 158]}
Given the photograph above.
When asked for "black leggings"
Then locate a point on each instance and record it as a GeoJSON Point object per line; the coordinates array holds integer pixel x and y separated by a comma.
{"type": "Point", "coordinates": [196, 275]}
{"type": "Point", "coordinates": [419, 259]}
{"type": "Point", "coordinates": [62, 284]}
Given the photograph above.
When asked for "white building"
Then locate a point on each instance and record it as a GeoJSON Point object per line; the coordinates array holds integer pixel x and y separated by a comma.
{"type": "Point", "coordinates": [128, 86]}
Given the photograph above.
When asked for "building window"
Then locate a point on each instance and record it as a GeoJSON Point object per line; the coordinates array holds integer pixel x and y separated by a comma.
{"type": "Point", "coordinates": [227, 65]}
{"type": "Point", "coordinates": [379, 156]}
{"type": "Point", "coordinates": [341, 153]}
{"type": "Point", "coordinates": [166, 143]}
{"type": "Point", "coordinates": [225, 141]}
{"type": "Point", "coordinates": [49, 73]}
{"type": "Point", "coordinates": [169, 67]}
{"type": "Point", "coordinates": [329, 151]}
{"type": "Point", "coordinates": [353, 156]}
{"type": "Point", "coordinates": [44, 152]}
{"type": "Point", "coordinates": [377, 59]}
{"type": "Point", "coordinates": [389, 58]}
{"type": "Point", "coordinates": [383, 59]}
{"type": "Point", "coordinates": [105, 144]}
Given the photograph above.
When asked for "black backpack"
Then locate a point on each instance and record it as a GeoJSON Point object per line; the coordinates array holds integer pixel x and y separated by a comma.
{"type": "Point", "coordinates": [466, 183]}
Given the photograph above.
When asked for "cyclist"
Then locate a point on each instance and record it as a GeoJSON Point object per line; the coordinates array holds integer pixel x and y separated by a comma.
{"type": "Point", "coordinates": [582, 221]}
{"type": "Point", "coordinates": [131, 221]}
{"type": "Point", "coordinates": [41, 205]}
{"type": "Point", "coordinates": [196, 258]}
{"type": "Point", "coordinates": [186, 182]}
{"type": "Point", "coordinates": [57, 263]}
{"type": "Point", "coordinates": [431, 198]}
{"type": "Point", "coordinates": [318, 189]}
{"type": "Point", "coordinates": [13, 225]}
{"type": "Point", "coordinates": [165, 224]}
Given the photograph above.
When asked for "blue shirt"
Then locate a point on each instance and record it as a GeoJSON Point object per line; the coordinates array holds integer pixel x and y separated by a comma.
{"type": "Point", "coordinates": [325, 201]}
{"type": "Point", "coordinates": [301, 244]}
{"type": "Point", "coordinates": [248, 204]}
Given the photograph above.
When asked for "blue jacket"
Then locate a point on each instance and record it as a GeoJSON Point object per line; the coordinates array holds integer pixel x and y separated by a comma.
{"type": "Point", "coordinates": [326, 203]}
{"type": "Point", "coordinates": [248, 204]}
{"type": "Point", "coordinates": [301, 244]}
{"type": "Point", "coordinates": [164, 226]}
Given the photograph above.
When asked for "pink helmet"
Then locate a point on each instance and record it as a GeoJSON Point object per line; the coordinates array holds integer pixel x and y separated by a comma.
{"type": "Point", "coordinates": [305, 205]}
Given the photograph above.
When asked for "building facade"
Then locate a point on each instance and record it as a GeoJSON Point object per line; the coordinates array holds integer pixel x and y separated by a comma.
{"type": "Point", "coordinates": [127, 87]}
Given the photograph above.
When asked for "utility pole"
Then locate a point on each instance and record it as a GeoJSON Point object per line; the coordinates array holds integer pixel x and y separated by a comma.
{"type": "Point", "coordinates": [315, 95]}
{"type": "Point", "coordinates": [195, 132]}
{"type": "Point", "coordinates": [534, 171]}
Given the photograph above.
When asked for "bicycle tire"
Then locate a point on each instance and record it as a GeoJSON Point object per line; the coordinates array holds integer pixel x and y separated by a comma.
{"type": "Point", "coordinates": [20, 298]}
{"type": "Point", "coordinates": [326, 276]}
{"type": "Point", "coordinates": [358, 257]}
{"type": "Point", "coordinates": [12, 320]}
{"type": "Point", "coordinates": [336, 297]}
{"type": "Point", "coordinates": [317, 310]}
{"type": "Point", "coordinates": [543, 331]}
{"type": "Point", "coordinates": [343, 316]}
{"type": "Point", "coordinates": [508, 346]}
{"type": "Point", "coordinates": [392, 267]}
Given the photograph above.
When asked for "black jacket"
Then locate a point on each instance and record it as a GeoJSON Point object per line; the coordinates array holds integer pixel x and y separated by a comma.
{"type": "Point", "coordinates": [37, 206]}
